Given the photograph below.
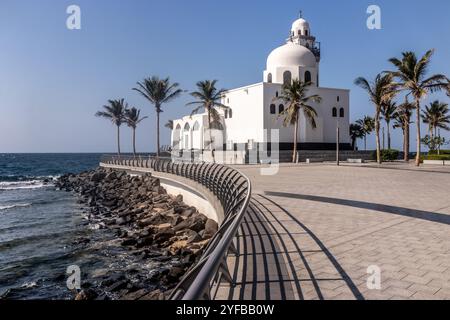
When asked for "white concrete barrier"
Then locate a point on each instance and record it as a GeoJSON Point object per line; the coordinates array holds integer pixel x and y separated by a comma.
{"type": "Point", "coordinates": [355, 160]}
{"type": "Point", "coordinates": [435, 162]}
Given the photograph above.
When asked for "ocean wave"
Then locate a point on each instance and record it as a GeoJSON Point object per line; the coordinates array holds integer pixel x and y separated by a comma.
{"type": "Point", "coordinates": [26, 184]}
{"type": "Point", "coordinates": [18, 205]}
{"type": "Point", "coordinates": [22, 178]}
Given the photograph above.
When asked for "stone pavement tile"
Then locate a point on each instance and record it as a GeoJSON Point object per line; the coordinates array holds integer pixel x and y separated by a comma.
{"type": "Point", "coordinates": [394, 291]}
{"type": "Point", "coordinates": [443, 294]}
{"type": "Point", "coordinates": [423, 296]}
{"type": "Point", "coordinates": [396, 283]}
{"type": "Point", "coordinates": [417, 279]}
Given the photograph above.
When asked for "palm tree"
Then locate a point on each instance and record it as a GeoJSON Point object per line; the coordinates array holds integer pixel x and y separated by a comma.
{"type": "Point", "coordinates": [115, 112]}
{"type": "Point", "coordinates": [436, 115]}
{"type": "Point", "coordinates": [368, 125]}
{"type": "Point", "coordinates": [133, 118]}
{"type": "Point", "coordinates": [169, 124]}
{"type": "Point", "coordinates": [380, 91]}
{"type": "Point", "coordinates": [402, 119]}
{"type": "Point", "coordinates": [411, 77]}
{"type": "Point", "coordinates": [388, 112]}
{"type": "Point", "coordinates": [157, 92]}
{"type": "Point", "coordinates": [208, 98]}
{"type": "Point", "coordinates": [356, 132]}
{"type": "Point", "coordinates": [294, 96]}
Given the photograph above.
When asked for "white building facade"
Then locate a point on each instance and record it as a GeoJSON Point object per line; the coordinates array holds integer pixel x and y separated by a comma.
{"type": "Point", "coordinates": [254, 110]}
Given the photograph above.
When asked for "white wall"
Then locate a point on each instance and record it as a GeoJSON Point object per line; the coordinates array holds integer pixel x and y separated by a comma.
{"type": "Point", "coordinates": [247, 108]}
{"type": "Point", "coordinates": [326, 124]}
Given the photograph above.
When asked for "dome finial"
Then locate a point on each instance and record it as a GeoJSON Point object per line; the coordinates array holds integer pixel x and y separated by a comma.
{"type": "Point", "coordinates": [300, 14]}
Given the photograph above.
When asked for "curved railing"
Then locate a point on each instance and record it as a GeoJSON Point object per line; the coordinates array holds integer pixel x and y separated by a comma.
{"type": "Point", "coordinates": [233, 190]}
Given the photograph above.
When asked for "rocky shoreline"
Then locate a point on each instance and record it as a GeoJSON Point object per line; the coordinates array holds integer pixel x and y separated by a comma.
{"type": "Point", "coordinates": [157, 229]}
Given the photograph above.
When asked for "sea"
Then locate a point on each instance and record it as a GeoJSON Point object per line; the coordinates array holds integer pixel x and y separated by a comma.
{"type": "Point", "coordinates": [41, 227]}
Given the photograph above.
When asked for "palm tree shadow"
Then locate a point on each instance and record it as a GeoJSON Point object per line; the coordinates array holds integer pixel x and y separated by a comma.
{"type": "Point", "coordinates": [406, 212]}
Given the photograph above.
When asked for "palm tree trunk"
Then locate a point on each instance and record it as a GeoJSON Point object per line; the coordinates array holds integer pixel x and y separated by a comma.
{"type": "Point", "coordinates": [377, 136]}
{"type": "Point", "coordinates": [418, 131]}
{"type": "Point", "coordinates": [210, 137]}
{"type": "Point", "coordinates": [134, 142]}
{"type": "Point", "coordinates": [294, 152]}
{"type": "Point", "coordinates": [365, 142]}
{"type": "Point", "coordinates": [407, 141]}
{"type": "Point", "coordinates": [157, 131]}
{"type": "Point", "coordinates": [118, 140]}
{"type": "Point", "coordinates": [388, 134]}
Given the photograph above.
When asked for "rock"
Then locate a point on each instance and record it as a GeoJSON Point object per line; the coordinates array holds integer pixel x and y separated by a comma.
{"type": "Point", "coordinates": [98, 176]}
{"type": "Point", "coordinates": [177, 245]}
{"type": "Point", "coordinates": [154, 295]}
{"type": "Point", "coordinates": [164, 235]}
{"type": "Point", "coordinates": [134, 295]}
{"type": "Point", "coordinates": [86, 294]}
{"type": "Point", "coordinates": [110, 177]}
{"type": "Point", "coordinates": [117, 286]}
{"type": "Point", "coordinates": [129, 242]}
{"type": "Point", "coordinates": [211, 228]}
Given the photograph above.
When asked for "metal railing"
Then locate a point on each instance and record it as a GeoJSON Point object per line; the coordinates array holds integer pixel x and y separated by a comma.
{"type": "Point", "coordinates": [232, 189]}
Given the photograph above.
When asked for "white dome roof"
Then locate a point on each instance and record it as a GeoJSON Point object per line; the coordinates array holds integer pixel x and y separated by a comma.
{"type": "Point", "coordinates": [299, 24]}
{"type": "Point", "coordinates": [291, 54]}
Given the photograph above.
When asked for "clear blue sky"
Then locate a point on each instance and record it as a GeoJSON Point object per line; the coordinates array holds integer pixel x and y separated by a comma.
{"type": "Point", "coordinates": [53, 80]}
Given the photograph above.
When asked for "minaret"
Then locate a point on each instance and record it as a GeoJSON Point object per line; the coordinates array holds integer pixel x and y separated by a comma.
{"type": "Point", "coordinates": [301, 34]}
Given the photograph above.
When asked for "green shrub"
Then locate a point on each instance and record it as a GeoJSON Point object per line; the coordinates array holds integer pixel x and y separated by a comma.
{"type": "Point", "coordinates": [438, 157]}
{"type": "Point", "coordinates": [387, 155]}
{"type": "Point", "coordinates": [442, 152]}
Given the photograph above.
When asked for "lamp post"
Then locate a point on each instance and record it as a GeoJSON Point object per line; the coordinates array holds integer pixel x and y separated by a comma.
{"type": "Point", "coordinates": [337, 143]}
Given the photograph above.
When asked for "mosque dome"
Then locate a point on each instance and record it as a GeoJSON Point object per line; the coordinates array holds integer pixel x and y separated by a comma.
{"type": "Point", "coordinates": [291, 55]}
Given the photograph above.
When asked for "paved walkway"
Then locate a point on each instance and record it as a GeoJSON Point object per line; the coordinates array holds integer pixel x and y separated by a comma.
{"type": "Point", "coordinates": [313, 230]}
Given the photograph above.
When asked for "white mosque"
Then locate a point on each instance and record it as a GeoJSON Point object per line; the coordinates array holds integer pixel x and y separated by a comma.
{"type": "Point", "coordinates": [253, 110]}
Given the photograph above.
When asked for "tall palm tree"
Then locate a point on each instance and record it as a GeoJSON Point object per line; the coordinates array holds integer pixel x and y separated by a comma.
{"type": "Point", "coordinates": [295, 96]}
{"type": "Point", "coordinates": [388, 112]}
{"type": "Point", "coordinates": [115, 112]}
{"type": "Point", "coordinates": [368, 125]}
{"type": "Point", "coordinates": [356, 132]}
{"type": "Point", "coordinates": [380, 91]}
{"type": "Point", "coordinates": [403, 120]}
{"type": "Point", "coordinates": [411, 76]}
{"type": "Point", "coordinates": [208, 98]}
{"type": "Point", "coordinates": [158, 91]}
{"type": "Point", "coordinates": [436, 115]}
{"type": "Point", "coordinates": [133, 118]}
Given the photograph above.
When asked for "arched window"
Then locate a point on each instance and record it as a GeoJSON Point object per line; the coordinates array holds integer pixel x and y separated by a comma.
{"type": "Point", "coordinates": [306, 32]}
{"type": "Point", "coordinates": [196, 126]}
{"type": "Point", "coordinates": [299, 32]}
{"type": "Point", "coordinates": [307, 76]}
{"type": "Point", "coordinates": [272, 109]}
{"type": "Point", "coordinates": [334, 112]}
{"type": "Point", "coordinates": [341, 112]}
{"type": "Point", "coordinates": [287, 77]}
{"type": "Point", "coordinates": [230, 113]}
{"type": "Point", "coordinates": [269, 78]}
{"type": "Point", "coordinates": [226, 113]}
{"type": "Point", "coordinates": [187, 127]}
{"type": "Point", "coordinates": [276, 94]}
{"type": "Point", "coordinates": [338, 98]}
{"type": "Point", "coordinates": [280, 108]}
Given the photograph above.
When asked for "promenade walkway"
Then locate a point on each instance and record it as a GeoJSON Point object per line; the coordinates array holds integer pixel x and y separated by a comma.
{"type": "Point", "coordinates": [313, 230]}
